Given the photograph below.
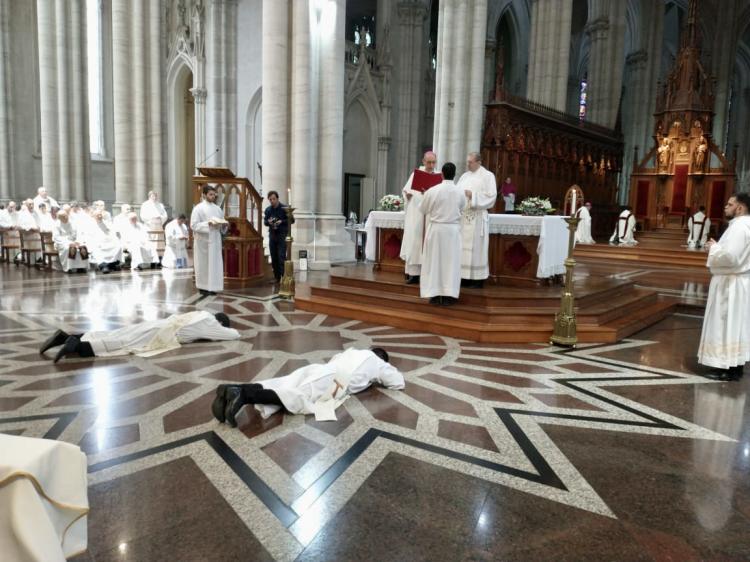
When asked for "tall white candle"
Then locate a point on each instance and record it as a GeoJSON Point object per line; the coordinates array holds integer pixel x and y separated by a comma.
{"type": "Point", "coordinates": [573, 204]}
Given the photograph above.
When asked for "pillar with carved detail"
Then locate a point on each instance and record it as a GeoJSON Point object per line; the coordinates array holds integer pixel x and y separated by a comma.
{"type": "Point", "coordinates": [549, 50]}
{"type": "Point", "coordinates": [221, 67]}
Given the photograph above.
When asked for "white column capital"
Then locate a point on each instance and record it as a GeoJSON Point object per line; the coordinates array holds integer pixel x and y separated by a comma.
{"type": "Point", "coordinates": [199, 94]}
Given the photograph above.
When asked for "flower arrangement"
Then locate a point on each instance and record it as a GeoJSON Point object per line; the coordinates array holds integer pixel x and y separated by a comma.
{"type": "Point", "coordinates": [535, 206]}
{"type": "Point", "coordinates": [391, 203]}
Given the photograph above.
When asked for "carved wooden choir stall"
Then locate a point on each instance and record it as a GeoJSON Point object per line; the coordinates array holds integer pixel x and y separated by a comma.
{"type": "Point", "coordinates": [684, 169]}
{"type": "Point", "coordinates": [242, 247]}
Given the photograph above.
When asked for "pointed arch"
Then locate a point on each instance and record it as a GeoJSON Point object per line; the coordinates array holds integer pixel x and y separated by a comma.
{"type": "Point", "coordinates": [180, 70]}
{"type": "Point", "coordinates": [254, 137]}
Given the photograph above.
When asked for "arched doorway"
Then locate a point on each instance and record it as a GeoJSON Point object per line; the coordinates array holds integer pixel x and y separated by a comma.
{"type": "Point", "coordinates": [181, 128]}
{"type": "Point", "coordinates": [359, 161]}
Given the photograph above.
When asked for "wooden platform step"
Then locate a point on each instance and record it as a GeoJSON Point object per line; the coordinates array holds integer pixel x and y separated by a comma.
{"type": "Point", "coordinates": [611, 310]}
{"type": "Point", "coordinates": [644, 255]}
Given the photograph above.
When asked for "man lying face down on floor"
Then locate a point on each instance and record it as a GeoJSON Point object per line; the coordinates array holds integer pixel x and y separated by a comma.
{"type": "Point", "coordinates": [144, 339]}
{"type": "Point", "coordinates": [313, 389]}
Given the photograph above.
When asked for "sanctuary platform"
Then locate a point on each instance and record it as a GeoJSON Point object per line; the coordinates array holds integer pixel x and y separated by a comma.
{"type": "Point", "coordinates": [608, 309]}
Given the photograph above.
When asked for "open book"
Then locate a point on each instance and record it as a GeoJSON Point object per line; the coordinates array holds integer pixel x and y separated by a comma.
{"type": "Point", "coordinates": [214, 220]}
{"type": "Point", "coordinates": [423, 181]}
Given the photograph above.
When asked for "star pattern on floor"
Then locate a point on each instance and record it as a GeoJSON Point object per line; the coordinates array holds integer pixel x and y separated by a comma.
{"type": "Point", "coordinates": [478, 409]}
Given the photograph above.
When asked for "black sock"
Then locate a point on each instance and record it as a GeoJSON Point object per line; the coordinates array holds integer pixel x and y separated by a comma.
{"type": "Point", "coordinates": [255, 394]}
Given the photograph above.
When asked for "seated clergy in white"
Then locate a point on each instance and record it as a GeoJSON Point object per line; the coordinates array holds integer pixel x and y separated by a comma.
{"type": "Point", "coordinates": [43, 197]}
{"type": "Point", "coordinates": [145, 339]}
{"type": "Point", "coordinates": [43, 499]}
{"type": "Point", "coordinates": [44, 218]}
{"type": "Point", "coordinates": [583, 231]}
{"type": "Point", "coordinates": [121, 220]}
{"type": "Point", "coordinates": [104, 247]}
{"type": "Point", "coordinates": [624, 229]}
{"type": "Point", "coordinates": [100, 206]}
{"type": "Point", "coordinates": [153, 213]}
{"type": "Point", "coordinates": [441, 258]}
{"type": "Point", "coordinates": [136, 241]}
{"type": "Point", "coordinates": [175, 251]}
{"type": "Point", "coordinates": [313, 389]}
{"type": "Point", "coordinates": [699, 226]}
{"type": "Point", "coordinates": [9, 217]}
{"type": "Point", "coordinates": [73, 254]}
{"type": "Point", "coordinates": [27, 217]}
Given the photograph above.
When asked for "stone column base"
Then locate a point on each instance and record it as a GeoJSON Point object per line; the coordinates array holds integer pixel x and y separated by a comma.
{"type": "Point", "coordinates": [324, 238]}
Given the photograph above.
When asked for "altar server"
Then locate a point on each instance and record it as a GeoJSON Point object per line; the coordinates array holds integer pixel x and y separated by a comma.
{"type": "Point", "coordinates": [312, 389]}
{"type": "Point", "coordinates": [583, 231]}
{"type": "Point", "coordinates": [153, 213]}
{"type": "Point", "coordinates": [206, 222]}
{"type": "Point", "coordinates": [175, 251]}
{"type": "Point", "coordinates": [411, 243]}
{"type": "Point", "coordinates": [698, 227]}
{"type": "Point", "coordinates": [145, 339]}
{"type": "Point", "coordinates": [624, 229]}
{"type": "Point", "coordinates": [72, 253]}
{"type": "Point", "coordinates": [480, 188]}
{"type": "Point", "coordinates": [725, 339]}
{"type": "Point", "coordinates": [441, 271]}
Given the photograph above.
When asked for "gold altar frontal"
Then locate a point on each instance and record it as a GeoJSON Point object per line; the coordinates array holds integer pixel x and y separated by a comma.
{"type": "Point", "coordinates": [608, 309]}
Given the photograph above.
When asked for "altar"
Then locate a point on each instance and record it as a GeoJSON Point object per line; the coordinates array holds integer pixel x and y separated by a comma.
{"type": "Point", "coordinates": [523, 249]}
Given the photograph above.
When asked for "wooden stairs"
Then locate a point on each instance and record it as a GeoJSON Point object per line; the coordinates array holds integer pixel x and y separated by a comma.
{"type": "Point", "coordinates": [608, 310]}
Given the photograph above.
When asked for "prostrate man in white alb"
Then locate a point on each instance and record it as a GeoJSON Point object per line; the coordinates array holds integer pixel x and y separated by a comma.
{"type": "Point", "coordinates": [207, 221]}
{"type": "Point", "coordinates": [313, 389]}
{"type": "Point", "coordinates": [175, 250]}
{"type": "Point", "coordinates": [698, 227]}
{"type": "Point", "coordinates": [411, 243]}
{"type": "Point", "coordinates": [73, 254]}
{"type": "Point", "coordinates": [725, 339]}
{"type": "Point", "coordinates": [136, 241]}
{"type": "Point", "coordinates": [441, 260]}
{"type": "Point", "coordinates": [624, 229]}
{"type": "Point", "coordinates": [43, 197]}
{"type": "Point", "coordinates": [480, 187]}
{"type": "Point", "coordinates": [153, 213]}
{"type": "Point", "coordinates": [145, 339]}
{"type": "Point", "coordinates": [583, 231]}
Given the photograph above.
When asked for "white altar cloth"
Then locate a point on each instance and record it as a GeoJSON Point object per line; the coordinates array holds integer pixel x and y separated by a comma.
{"type": "Point", "coordinates": [551, 229]}
{"type": "Point", "coordinates": [43, 499]}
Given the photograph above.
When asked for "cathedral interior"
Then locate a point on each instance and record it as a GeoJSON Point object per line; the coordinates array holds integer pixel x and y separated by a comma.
{"type": "Point", "coordinates": [503, 445]}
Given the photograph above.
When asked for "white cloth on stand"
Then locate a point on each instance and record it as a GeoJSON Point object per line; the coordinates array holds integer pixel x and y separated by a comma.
{"type": "Point", "coordinates": [175, 250]}
{"type": "Point", "coordinates": [43, 500]}
{"type": "Point", "coordinates": [552, 248]}
{"type": "Point", "coordinates": [725, 338]}
{"type": "Point", "coordinates": [475, 233]}
{"type": "Point", "coordinates": [311, 389]}
{"type": "Point", "coordinates": [157, 336]}
{"type": "Point", "coordinates": [441, 267]}
{"type": "Point", "coordinates": [208, 262]}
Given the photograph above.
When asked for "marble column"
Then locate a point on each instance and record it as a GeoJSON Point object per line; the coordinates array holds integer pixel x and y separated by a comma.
{"type": "Point", "coordinates": [222, 82]}
{"type": "Point", "coordinates": [138, 77]}
{"type": "Point", "coordinates": [6, 115]}
{"type": "Point", "coordinates": [723, 53]}
{"type": "Point", "coordinates": [66, 161]}
{"type": "Point", "coordinates": [459, 84]}
{"type": "Point", "coordinates": [549, 51]}
{"type": "Point", "coordinates": [606, 32]}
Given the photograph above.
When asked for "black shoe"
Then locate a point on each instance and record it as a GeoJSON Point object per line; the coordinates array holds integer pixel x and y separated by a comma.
{"type": "Point", "coordinates": [736, 372]}
{"type": "Point", "coordinates": [81, 270]}
{"type": "Point", "coordinates": [478, 284]}
{"type": "Point", "coordinates": [466, 282]}
{"type": "Point", "coordinates": [69, 347]}
{"type": "Point", "coordinates": [722, 375]}
{"type": "Point", "coordinates": [220, 403]}
{"type": "Point", "coordinates": [448, 301]}
{"type": "Point", "coordinates": [58, 338]}
{"type": "Point", "coordinates": [413, 280]}
{"type": "Point", "coordinates": [234, 401]}
{"type": "Point", "coordinates": [434, 300]}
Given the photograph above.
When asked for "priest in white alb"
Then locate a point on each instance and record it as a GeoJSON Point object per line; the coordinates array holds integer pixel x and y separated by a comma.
{"type": "Point", "coordinates": [175, 250]}
{"type": "Point", "coordinates": [9, 217]}
{"type": "Point", "coordinates": [583, 231]}
{"type": "Point", "coordinates": [104, 247]}
{"type": "Point", "coordinates": [207, 221]}
{"type": "Point", "coordinates": [480, 187]}
{"type": "Point", "coordinates": [411, 243]}
{"type": "Point", "coordinates": [153, 213]}
{"type": "Point", "coordinates": [43, 197]}
{"type": "Point", "coordinates": [624, 229]}
{"type": "Point", "coordinates": [441, 261]}
{"type": "Point", "coordinates": [71, 251]}
{"type": "Point", "coordinates": [136, 241]}
{"type": "Point", "coordinates": [699, 226]}
{"type": "Point", "coordinates": [725, 338]}
{"type": "Point", "coordinates": [145, 339]}
{"type": "Point", "coordinates": [312, 389]}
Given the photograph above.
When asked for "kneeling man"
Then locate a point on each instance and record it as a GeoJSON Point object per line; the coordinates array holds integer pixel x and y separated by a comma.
{"type": "Point", "coordinates": [441, 258]}
{"type": "Point", "coordinates": [146, 339]}
{"type": "Point", "coordinates": [313, 389]}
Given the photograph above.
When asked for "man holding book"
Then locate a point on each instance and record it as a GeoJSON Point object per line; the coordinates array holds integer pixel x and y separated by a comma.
{"type": "Point", "coordinates": [207, 222]}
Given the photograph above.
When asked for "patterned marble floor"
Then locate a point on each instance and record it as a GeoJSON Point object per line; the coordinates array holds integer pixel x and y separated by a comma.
{"type": "Point", "coordinates": [523, 452]}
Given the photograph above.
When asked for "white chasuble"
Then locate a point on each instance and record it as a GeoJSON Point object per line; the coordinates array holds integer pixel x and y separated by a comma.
{"type": "Point", "coordinates": [725, 339]}
{"type": "Point", "coordinates": [475, 231]}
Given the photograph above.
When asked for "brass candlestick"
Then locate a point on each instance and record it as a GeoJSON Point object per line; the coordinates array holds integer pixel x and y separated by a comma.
{"type": "Point", "coordinates": [564, 332]}
{"type": "Point", "coordinates": [286, 291]}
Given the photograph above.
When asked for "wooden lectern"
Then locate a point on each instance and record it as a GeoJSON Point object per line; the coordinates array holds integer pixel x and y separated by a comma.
{"type": "Point", "coordinates": [242, 247]}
